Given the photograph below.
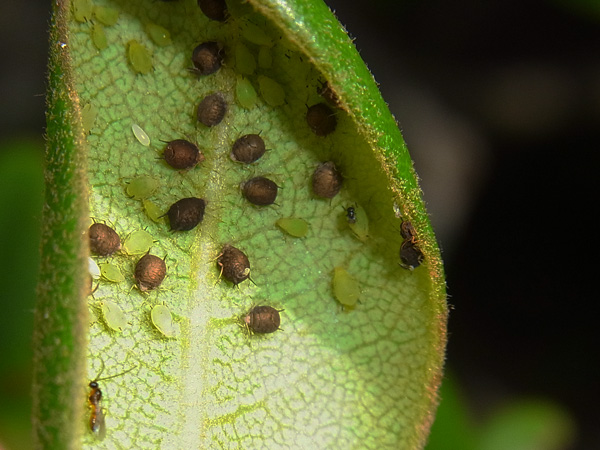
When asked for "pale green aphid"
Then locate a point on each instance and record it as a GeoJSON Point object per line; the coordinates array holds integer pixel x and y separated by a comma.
{"type": "Point", "coordinates": [106, 15]}
{"type": "Point", "coordinates": [255, 34]}
{"type": "Point", "coordinates": [93, 269]}
{"type": "Point", "coordinates": [244, 60]}
{"type": "Point", "coordinates": [113, 315]}
{"type": "Point", "coordinates": [99, 36]}
{"type": "Point", "coordinates": [245, 92]}
{"type": "Point", "coordinates": [163, 321]}
{"type": "Point", "coordinates": [159, 35]}
{"type": "Point", "coordinates": [138, 243]}
{"type": "Point", "coordinates": [265, 58]}
{"type": "Point", "coordinates": [153, 211]}
{"type": "Point", "coordinates": [88, 117]}
{"type": "Point", "coordinates": [138, 56]}
{"type": "Point", "coordinates": [82, 10]}
{"type": "Point", "coordinates": [271, 91]}
{"type": "Point", "coordinates": [293, 227]}
{"type": "Point", "coordinates": [140, 135]}
{"type": "Point", "coordinates": [111, 272]}
{"type": "Point", "coordinates": [142, 187]}
{"type": "Point", "coordinates": [360, 227]}
{"type": "Point", "coordinates": [345, 288]}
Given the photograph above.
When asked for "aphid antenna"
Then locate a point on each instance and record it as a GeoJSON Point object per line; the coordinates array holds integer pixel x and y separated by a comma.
{"type": "Point", "coordinates": [252, 281]}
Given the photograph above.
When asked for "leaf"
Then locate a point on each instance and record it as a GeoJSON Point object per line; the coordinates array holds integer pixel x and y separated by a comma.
{"type": "Point", "coordinates": [365, 378]}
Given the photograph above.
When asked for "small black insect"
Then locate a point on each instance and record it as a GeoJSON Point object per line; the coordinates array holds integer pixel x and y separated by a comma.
{"type": "Point", "coordinates": [321, 119]}
{"type": "Point", "coordinates": [263, 319]}
{"type": "Point", "coordinates": [248, 148]}
{"type": "Point", "coordinates": [327, 180]}
{"type": "Point", "coordinates": [351, 214]}
{"type": "Point", "coordinates": [407, 231]}
{"type": "Point", "coordinates": [150, 271]}
{"type": "Point", "coordinates": [186, 214]}
{"type": "Point", "coordinates": [234, 264]}
{"type": "Point", "coordinates": [260, 191]}
{"type": "Point", "coordinates": [410, 255]}
{"type": "Point", "coordinates": [212, 109]}
{"type": "Point", "coordinates": [214, 9]}
{"type": "Point", "coordinates": [104, 241]}
{"type": "Point", "coordinates": [207, 58]}
{"type": "Point", "coordinates": [182, 155]}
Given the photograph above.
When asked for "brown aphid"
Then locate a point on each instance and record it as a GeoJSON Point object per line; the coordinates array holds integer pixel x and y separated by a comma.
{"type": "Point", "coordinates": [212, 109]}
{"type": "Point", "coordinates": [150, 272]}
{"type": "Point", "coordinates": [182, 155]}
{"type": "Point", "coordinates": [410, 255]}
{"type": "Point", "coordinates": [327, 92]}
{"type": "Point", "coordinates": [263, 319]}
{"type": "Point", "coordinates": [104, 241]}
{"type": "Point", "coordinates": [248, 148]}
{"type": "Point", "coordinates": [207, 58]}
{"type": "Point", "coordinates": [407, 231]}
{"type": "Point", "coordinates": [327, 180]}
{"type": "Point", "coordinates": [214, 9]}
{"type": "Point", "coordinates": [186, 214]}
{"type": "Point", "coordinates": [234, 264]}
{"type": "Point", "coordinates": [260, 191]}
{"type": "Point", "coordinates": [321, 119]}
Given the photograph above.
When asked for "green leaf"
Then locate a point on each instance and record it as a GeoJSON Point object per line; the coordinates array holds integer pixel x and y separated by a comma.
{"type": "Point", "coordinates": [361, 378]}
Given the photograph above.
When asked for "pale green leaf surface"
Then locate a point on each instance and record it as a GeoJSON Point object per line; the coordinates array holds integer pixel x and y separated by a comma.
{"type": "Point", "coordinates": [366, 378]}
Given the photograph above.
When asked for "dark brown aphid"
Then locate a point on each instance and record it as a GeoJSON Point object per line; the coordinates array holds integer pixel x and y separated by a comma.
{"type": "Point", "coordinates": [234, 264]}
{"type": "Point", "coordinates": [263, 319]}
{"type": "Point", "coordinates": [327, 180]}
{"type": "Point", "coordinates": [186, 213]}
{"type": "Point", "coordinates": [327, 92]}
{"type": "Point", "coordinates": [407, 231]}
{"type": "Point", "coordinates": [260, 191]}
{"type": "Point", "coordinates": [214, 9]}
{"type": "Point", "coordinates": [182, 155]}
{"type": "Point", "coordinates": [150, 272]}
{"type": "Point", "coordinates": [321, 119]}
{"type": "Point", "coordinates": [410, 255]}
{"type": "Point", "coordinates": [212, 109]}
{"type": "Point", "coordinates": [248, 148]}
{"type": "Point", "coordinates": [207, 58]}
{"type": "Point", "coordinates": [104, 241]}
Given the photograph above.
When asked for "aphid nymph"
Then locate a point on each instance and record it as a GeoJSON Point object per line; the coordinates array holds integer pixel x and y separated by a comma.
{"type": "Point", "coordinates": [321, 119]}
{"type": "Point", "coordinates": [234, 264]}
{"type": "Point", "coordinates": [248, 148]}
{"type": "Point", "coordinates": [150, 271]}
{"type": "Point", "coordinates": [207, 58]}
{"type": "Point", "coordinates": [104, 241]}
{"type": "Point", "coordinates": [212, 109]}
{"type": "Point", "coordinates": [263, 319]}
{"type": "Point", "coordinates": [186, 214]}
{"type": "Point", "coordinates": [214, 9]}
{"type": "Point", "coordinates": [182, 155]}
{"type": "Point", "coordinates": [260, 191]}
{"type": "Point", "coordinates": [327, 180]}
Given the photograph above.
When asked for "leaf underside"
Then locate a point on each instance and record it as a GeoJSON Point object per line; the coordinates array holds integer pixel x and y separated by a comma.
{"type": "Point", "coordinates": [333, 378]}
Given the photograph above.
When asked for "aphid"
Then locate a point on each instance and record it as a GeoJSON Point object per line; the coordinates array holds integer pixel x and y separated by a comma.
{"type": "Point", "coordinates": [111, 272]}
{"type": "Point", "coordinates": [248, 148]}
{"type": "Point", "coordinates": [207, 58]}
{"type": "Point", "coordinates": [104, 241]}
{"type": "Point", "coordinates": [327, 92]}
{"type": "Point", "coordinates": [407, 231]}
{"type": "Point", "coordinates": [214, 9]}
{"type": "Point", "coordinates": [271, 91]}
{"type": "Point", "coordinates": [106, 15]}
{"type": "Point", "coordinates": [182, 155]}
{"type": "Point", "coordinates": [245, 62]}
{"type": "Point", "coordinates": [142, 187]}
{"type": "Point", "coordinates": [263, 319]}
{"type": "Point", "coordinates": [212, 109]}
{"type": "Point", "coordinates": [327, 180]}
{"type": "Point", "coordinates": [321, 119]}
{"type": "Point", "coordinates": [245, 92]}
{"type": "Point", "coordinates": [97, 423]}
{"type": "Point", "coordinates": [153, 211]}
{"type": "Point", "coordinates": [410, 255]}
{"type": "Point", "coordinates": [139, 57]}
{"type": "Point", "coordinates": [150, 271]}
{"type": "Point", "coordinates": [259, 191]}
{"type": "Point", "coordinates": [99, 36]}
{"type": "Point", "coordinates": [345, 288]}
{"type": "Point", "coordinates": [138, 242]}
{"type": "Point", "coordinates": [265, 58]}
{"type": "Point", "coordinates": [234, 264]}
{"type": "Point", "coordinates": [113, 315]}
{"type": "Point", "coordinates": [140, 135]}
{"type": "Point", "coordinates": [358, 221]}
{"type": "Point", "coordinates": [163, 321]}
{"type": "Point", "coordinates": [93, 269]}
{"type": "Point", "coordinates": [255, 34]}
{"type": "Point", "coordinates": [186, 213]}
{"type": "Point", "coordinates": [293, 227]}
{"type": "Point", "coordinates": [159, 35]}
{"type": "Point", "coordinates": [82, 10]}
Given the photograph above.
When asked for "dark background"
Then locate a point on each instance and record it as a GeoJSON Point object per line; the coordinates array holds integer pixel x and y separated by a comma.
{"type": "Point", "coordinates": [499, 102]}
